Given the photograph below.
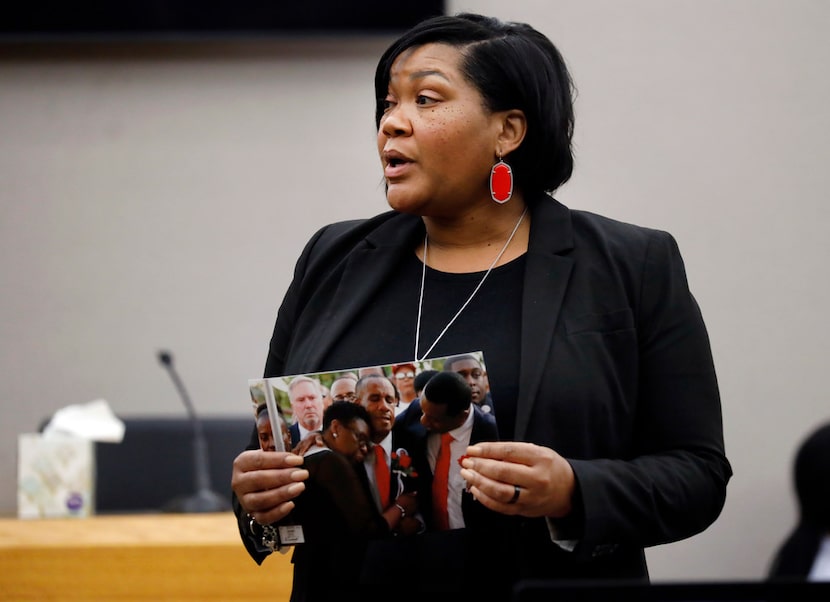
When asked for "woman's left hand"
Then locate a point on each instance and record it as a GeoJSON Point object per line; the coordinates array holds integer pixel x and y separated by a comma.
{"type": "Point", "coordinates": [496, 472]}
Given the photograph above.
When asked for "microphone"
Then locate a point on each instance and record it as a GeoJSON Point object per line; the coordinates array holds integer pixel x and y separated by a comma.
{"type": "Point", "coordinates": [204, 499]}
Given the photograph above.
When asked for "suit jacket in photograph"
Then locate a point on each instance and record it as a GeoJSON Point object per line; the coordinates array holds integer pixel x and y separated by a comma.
{"type": "Point", "coordinates": [396, 486]}
{"type": "Point", "coordinates": [294, 431]}
{"type": "Point", "coordinates": [408, 425]}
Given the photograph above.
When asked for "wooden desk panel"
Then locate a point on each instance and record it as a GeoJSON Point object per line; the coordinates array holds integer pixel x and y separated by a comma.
{"type": "Point", "coordinates": [146, 557]}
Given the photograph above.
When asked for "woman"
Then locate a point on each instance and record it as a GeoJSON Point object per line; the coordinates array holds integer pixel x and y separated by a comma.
{"type": "Point", "coordinates": [336, 511]}
{"type": "Point", "coordinates": [265, 430]}
{"type": "Point", "coordinates": [599, 364]}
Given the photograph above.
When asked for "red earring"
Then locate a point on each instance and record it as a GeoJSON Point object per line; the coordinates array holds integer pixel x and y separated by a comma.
{"type": "Point", "coordinates": [501, 182]}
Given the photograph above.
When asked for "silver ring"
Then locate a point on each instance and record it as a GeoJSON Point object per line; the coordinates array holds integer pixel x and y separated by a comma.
{"type": "Point", "coordinates": [516, 491]}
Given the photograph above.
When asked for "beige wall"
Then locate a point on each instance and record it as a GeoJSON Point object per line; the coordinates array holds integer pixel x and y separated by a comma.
{"type": "Point", "coordinates": [157, 196]}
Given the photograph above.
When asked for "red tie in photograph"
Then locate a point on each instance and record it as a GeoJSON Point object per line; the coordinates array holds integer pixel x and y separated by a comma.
{"type": "Point", "coordinates": [382, 475]}
{"type": "Point", "coordinates": [440, 484]}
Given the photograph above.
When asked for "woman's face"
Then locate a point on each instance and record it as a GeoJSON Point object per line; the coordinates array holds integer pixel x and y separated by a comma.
{"type": "Point", "coordinates": [353, 440]}
{"type": "Point", "coordinates": [266, 435]}
{"type": "Point", "coordinates": [437, 141]}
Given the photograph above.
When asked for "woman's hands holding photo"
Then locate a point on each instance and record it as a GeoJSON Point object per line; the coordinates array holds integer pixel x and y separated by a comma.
{"type": "Point", "coordinates": [266, 482]}
{"type": "Point", "coordinates": [519, 478]}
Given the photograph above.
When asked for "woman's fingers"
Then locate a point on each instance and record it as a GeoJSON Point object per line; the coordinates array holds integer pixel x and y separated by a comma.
{"type": "Point", "coordinates": [519, 478]}
{"type": "Point", "coordinates": [265, 483]}
{"type": "Point", "coordinates": [516, 452]}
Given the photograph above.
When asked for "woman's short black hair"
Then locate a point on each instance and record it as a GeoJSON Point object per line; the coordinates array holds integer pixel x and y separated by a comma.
{"type": "Point", "coordinates": [513, 66]}
{"type": "Point", "coordinates": [345, 412]}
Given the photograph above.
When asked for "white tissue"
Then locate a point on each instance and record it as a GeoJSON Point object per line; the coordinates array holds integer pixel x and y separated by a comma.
{"type": "Point", "coordinates": [94, 421]}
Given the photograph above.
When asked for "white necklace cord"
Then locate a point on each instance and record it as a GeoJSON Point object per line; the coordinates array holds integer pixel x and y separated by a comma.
{"type": "Point", "coordinates": [466, 303]}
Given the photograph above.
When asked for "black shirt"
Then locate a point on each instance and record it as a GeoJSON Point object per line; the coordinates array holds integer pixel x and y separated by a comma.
{"type": "Point", "coordinates": [385, 333]}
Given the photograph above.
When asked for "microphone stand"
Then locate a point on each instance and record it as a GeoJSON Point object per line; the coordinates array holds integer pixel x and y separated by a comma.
{"type": "Point", "coordinates": [205, 499]}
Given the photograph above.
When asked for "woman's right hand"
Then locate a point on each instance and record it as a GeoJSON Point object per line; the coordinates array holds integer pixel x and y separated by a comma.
{"type": "Point", "coordinates": [266, 482]}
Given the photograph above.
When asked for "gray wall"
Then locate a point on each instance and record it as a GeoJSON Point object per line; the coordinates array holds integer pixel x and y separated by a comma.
{"type": "Point", "coordinates": [157, 196]}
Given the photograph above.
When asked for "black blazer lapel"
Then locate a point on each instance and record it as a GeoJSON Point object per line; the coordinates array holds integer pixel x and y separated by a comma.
{"type": "Point", "coordinates": [547, 272]}
{"type": "Point", "coordinates": [366, 269]}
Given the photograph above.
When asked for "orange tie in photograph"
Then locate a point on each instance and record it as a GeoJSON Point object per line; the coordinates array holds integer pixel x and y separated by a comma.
{"type": "Point", "coordinates": [440, 484]}
{"type": "Point", "coordinates": [382, 475]}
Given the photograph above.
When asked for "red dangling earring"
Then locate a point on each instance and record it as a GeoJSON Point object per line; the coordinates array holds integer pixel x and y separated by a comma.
{"type": "Point", "coordinates": [501, 182]}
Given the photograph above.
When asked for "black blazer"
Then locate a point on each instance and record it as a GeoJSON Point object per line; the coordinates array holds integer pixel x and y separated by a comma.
{"type": "Point", "coordinates": [616, 373]}
{"type": "Point", "coordinates": [294, 431]}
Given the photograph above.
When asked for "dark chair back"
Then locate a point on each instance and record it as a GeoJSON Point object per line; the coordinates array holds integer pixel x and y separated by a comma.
{"type": "Point", "coordinates": [154, 463]}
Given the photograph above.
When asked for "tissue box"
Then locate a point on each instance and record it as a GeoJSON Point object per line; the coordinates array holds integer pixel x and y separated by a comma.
{"type": "Point", "coordinates": [55, 476]}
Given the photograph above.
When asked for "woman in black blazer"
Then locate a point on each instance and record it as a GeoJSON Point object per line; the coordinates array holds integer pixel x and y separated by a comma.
{"type": "Point", "coordinates": [601, 374]}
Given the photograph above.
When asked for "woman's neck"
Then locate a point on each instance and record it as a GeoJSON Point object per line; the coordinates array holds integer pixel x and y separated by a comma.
{"type": "Point", "coordinates": [471, 242]}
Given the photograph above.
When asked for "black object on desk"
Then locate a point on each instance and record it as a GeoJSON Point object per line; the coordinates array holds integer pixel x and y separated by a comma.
{"type": "Point", "coordinates": [153, 465]}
